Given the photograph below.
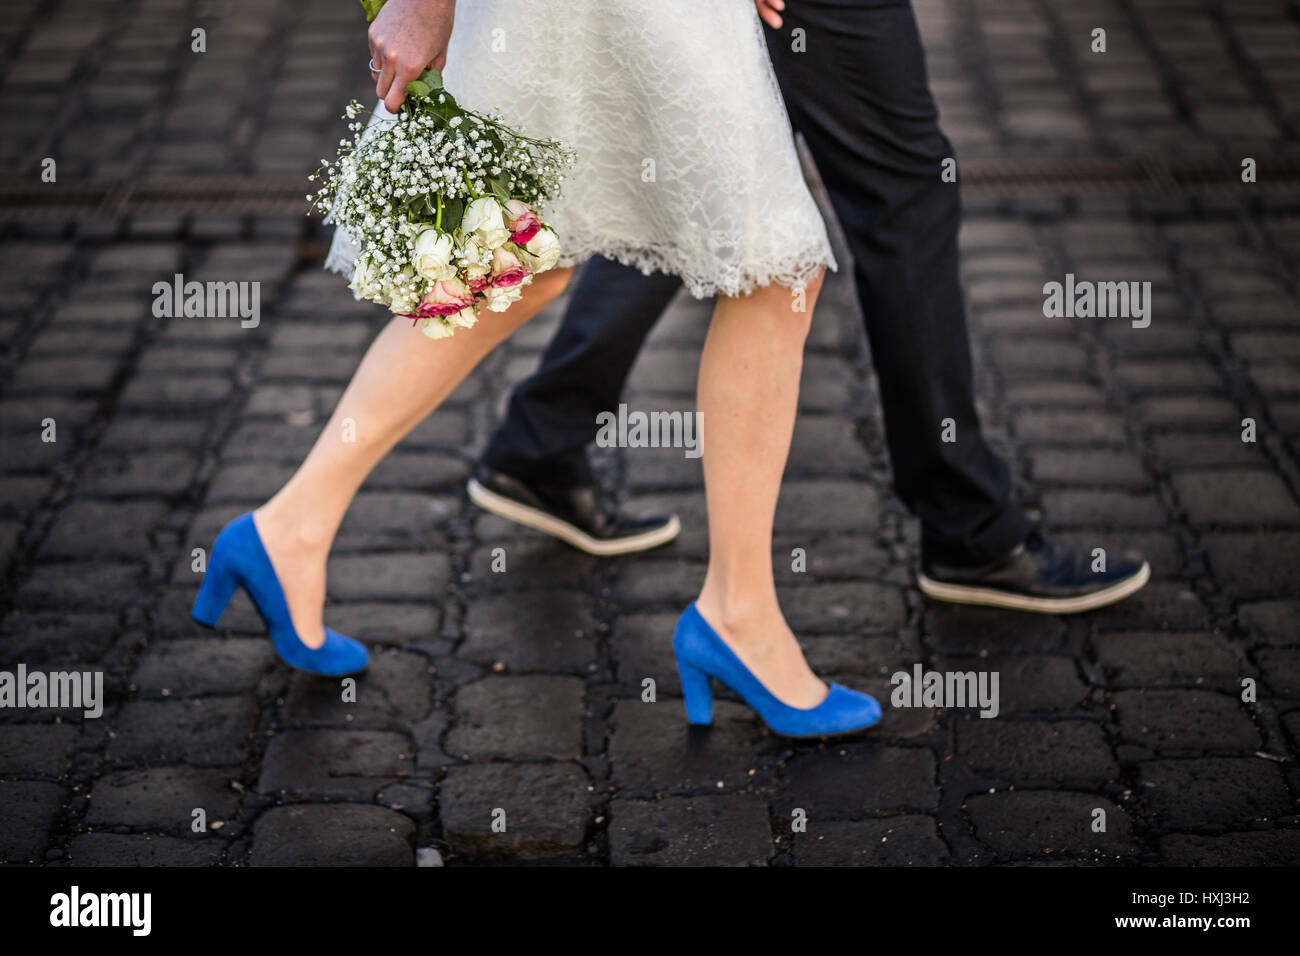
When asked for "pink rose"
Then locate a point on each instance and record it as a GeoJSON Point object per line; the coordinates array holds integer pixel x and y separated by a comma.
{"type": "Point", "coordinates": [507, 268]}
{"type": "Point", "coordinates": [447, 297]}
{"type": "Point", "coordinates": [522, 221]}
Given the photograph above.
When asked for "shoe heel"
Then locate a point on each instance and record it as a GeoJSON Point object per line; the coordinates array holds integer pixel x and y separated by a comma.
{"type": "Point", "coordinates": [214, 594]}
{"type": "Point", "coordinates": [698, 694]}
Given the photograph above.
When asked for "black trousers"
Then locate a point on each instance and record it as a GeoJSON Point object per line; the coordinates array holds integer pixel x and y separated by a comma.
{"type": "Point", "coordinates": [859, 94]}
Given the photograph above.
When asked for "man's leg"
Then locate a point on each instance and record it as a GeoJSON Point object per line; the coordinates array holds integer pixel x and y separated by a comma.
{"type": "Point", "coordinates": [534, 469]}
{"type": "Point", "coordinates": [859, 94]}
{"type": "Point", "coordinates": [880, 157]}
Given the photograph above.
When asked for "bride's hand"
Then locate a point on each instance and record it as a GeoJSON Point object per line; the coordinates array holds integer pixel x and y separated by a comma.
{"type": "Point", "coordinates": [406, 38]}
{"type": "Point", "coordinates": [770, 12]}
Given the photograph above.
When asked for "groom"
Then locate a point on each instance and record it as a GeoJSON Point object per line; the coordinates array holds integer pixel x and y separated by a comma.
{"type": "Point", "coordinates": [859, 94]}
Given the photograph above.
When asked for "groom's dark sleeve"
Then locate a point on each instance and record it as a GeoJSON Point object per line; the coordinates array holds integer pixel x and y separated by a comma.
{"type": "Point", "coordinates": [859, 94]}
{"type": "Point", "coordinates": [551, 416]}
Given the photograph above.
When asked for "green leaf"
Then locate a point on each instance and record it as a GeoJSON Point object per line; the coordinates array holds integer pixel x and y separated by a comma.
{"type": "Point", "coordinates": [499, 189]}
{"type": "Point", "coordinates": [414, 206]}
{"type": "Point", "coordinates": [372, 8]}
{"type": "Point", "coordinates": [453, 210]}
{"type": "Point", "coordinates": [444, 110]}
{"type": "Point", "coordinates": [432, 76]}
{"type": "Point", "coordinates": [418, 89]}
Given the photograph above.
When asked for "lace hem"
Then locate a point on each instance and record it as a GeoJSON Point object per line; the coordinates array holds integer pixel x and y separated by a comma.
{"type": "Point", "coordinates": [342, 263]}
{"type": "Point", "coordinates": [792, 273]}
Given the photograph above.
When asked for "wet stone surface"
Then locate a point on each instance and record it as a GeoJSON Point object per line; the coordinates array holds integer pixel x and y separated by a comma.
{"type": "Point", "coordinates": [506, 715]}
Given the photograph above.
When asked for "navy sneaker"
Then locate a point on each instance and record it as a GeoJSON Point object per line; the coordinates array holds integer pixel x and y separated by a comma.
{"type": "Point", "coordinates": [576, 514]}
{"type": "Point", "coordinates": [1036, 576]}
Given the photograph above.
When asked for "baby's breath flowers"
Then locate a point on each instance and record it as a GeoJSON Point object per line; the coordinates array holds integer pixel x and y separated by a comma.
{"type": "Point", "coordinates": [442, 202]}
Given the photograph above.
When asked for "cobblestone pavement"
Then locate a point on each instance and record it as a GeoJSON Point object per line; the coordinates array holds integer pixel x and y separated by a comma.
{"type": "Point", "coordinates": [522, 690]}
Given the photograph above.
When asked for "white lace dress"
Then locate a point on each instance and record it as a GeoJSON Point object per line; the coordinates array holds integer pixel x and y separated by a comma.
{"type": "Point", "coordinates": [686, 162]}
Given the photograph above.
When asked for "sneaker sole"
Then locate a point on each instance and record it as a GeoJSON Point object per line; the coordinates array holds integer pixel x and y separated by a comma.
{"type": "Point", "coordinates": [538, 520]}
{"type": "Point", "coordinates": [991, 597]}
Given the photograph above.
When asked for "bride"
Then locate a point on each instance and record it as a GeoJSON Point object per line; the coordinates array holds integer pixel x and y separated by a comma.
{"type": "Point", "coordinates": [686, 165]}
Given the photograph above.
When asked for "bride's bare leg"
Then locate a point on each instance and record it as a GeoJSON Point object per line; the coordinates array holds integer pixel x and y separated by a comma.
{"type": "Point", "coordinates": [401, 379]}
{"type": "Point", "coordinates": [748, 396]}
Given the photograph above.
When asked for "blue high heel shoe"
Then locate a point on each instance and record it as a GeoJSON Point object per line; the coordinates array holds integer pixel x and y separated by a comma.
{"type": "Point", "coordinates": [239, 560]}
{"type": "Point", "coordinates": [702, 654]}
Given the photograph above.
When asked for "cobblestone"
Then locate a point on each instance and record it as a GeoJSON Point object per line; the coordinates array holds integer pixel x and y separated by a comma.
{"type": "Point", "coordinates": [394, 691]}
{"type": "Point", "coordinates": [844, 784]}
{"type": "Point", "coordinates": [521, 691]}
{"type": "Point", "coordinates": [1199, 793]}
{"type": "Point", "coordinates": [1138, 659]}
{"type": "Point", "coordinates": [1176, 721]}
{"type": "Point", "coordinates": [113, 849]}
{"type": "Point", "coordinates": [205, 732]}
{"type": "Point", "coordinates": [684, 831]}
{"type": "Point", "coordinates": [1234, 497]}
{"type": "Point", "coordinates": [334, 764]}
{"type": "Point", "coordinates": [161, 798]}
{"type": "Point", "coordinates": [190, 667]}
{"type": "Point", "coordinates": [30, 810]}
{"type": "Point", "coordinates": [543, 718]}
{"type": "Point", "coordinates": [349, 835]}
{"type": "Point", "coordinates": [907, 840]}
{"type": "Point", "coordinates": [1038, 824]}
{"type": "Point", "coordinates": [652, 753]}
{"type": "Point", "coordinates": [1260, 848]}
{"type": "Point", "coordinates": [531, 632]}
{"type": "Point", "coordinates": [543, 809]}
{"type": "Point", "coordinates": [1071, 752]}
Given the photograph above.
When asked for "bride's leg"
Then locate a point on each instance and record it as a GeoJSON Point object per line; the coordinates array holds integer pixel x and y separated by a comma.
{"type": "Point", "coordinates": [401, 379]}
{"type": "Point", "coordinates": [748, 396]}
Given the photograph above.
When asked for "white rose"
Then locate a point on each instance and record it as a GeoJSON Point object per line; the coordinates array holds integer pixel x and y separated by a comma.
{"type": "Point", "coordinates": [464, 319]}
{"type": "Point", "coordinates": [363, 274]}
{"type": "Point", "coordinates": [433, 252]}
{"type": "Point", "coordinates": [498, 300]}
{"type": "Point", "coordinates": [485, 220]}
{"type": "Point", "coordinates": [543, 250]}
{"type": "Point", "coordinates": [436, 328]}
{"type": "Point", "coordinates": [473, 252]}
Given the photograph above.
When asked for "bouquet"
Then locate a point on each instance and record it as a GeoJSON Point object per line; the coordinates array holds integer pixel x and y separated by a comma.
{"type": "Point", "coordinates": [443, 203]}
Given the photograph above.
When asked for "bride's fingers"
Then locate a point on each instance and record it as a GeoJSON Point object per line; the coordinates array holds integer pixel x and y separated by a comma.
{"type": "Point", "coordinates": [397, 92]}
{"type": "Point", "coordinates": [385, 81]}
{"type": "Point", "coordinates": [377, 59]}
{"type": "Point", "coordinates": [768, 12]}
{"type": "Point", "coordinates": [380, 68]}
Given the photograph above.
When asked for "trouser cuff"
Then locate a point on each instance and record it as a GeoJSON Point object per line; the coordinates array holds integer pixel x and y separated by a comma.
{"type": "Point", "coordinates": [994, 540]}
